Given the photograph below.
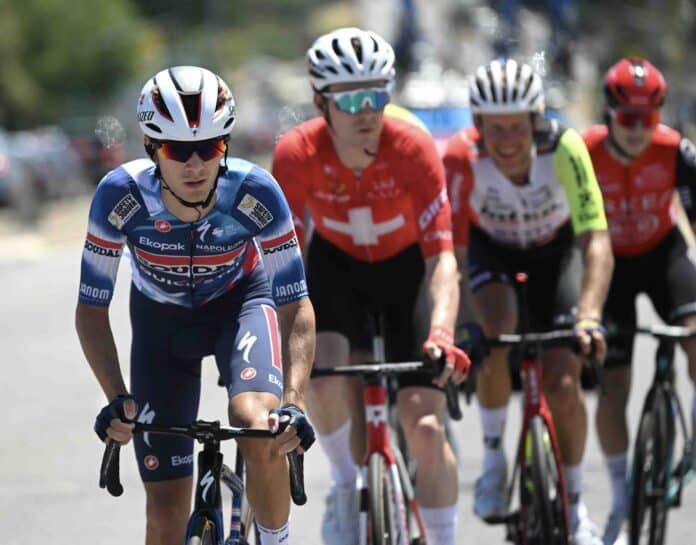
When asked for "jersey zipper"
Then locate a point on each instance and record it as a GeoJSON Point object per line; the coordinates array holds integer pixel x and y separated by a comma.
{"type": "Point", "coordinates": [191, 277]}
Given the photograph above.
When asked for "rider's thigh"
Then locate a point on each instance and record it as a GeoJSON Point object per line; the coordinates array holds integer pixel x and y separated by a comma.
{"type": "Point", "coordinates": [497, 304]}
{"type": "Point", "coordinates": [332, 349]}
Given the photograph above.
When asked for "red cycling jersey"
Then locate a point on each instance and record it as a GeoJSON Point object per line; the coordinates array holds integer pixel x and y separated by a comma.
{"type": "Point", "coordinates": [638, 197]}
{"type": "Point", "coordinates": [400, 199]}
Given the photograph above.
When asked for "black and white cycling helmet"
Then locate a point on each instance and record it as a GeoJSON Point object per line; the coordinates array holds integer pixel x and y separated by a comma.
{"type": "Point", "coordinates": [349, 55]}
{"type": "Point", "coordinates": [186, 103]}
{"type": "Point", "coordinates": [505, 86]}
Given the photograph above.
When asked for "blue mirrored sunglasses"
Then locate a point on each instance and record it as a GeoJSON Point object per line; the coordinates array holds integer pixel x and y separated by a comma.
{"type": "Point", "coordinates": [355, 101]}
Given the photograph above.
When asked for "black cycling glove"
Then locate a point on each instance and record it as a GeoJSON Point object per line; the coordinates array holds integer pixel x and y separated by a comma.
{"type": "Point", "coordinates": [108, 413]}
{"type": "Point", "coordinates": [295, 417]}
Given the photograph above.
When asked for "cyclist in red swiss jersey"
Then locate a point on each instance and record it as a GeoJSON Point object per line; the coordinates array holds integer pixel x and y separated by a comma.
{"type": "Point", "coordinates": [640, 163]}
{"type": "Point", "coordinates": [524, 198]}
{"type": "Point", "coordinates": [375, 189]}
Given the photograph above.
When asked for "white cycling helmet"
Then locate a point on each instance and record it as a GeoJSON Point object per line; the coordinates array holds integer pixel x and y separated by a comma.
{"type": "Point", "coordinates": [186, 103]}
{"type": "Point", "coordinates": [504, 87]}
{"type": "Point", "coordinates": [349, 55]}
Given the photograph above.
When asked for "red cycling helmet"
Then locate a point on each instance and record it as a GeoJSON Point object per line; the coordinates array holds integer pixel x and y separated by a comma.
{"type": "Point", "coordinates": [634, 83]}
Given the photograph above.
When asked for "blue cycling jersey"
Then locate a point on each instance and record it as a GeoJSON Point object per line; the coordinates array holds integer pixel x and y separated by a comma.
{"type": "Point", "coordinates": [189, 264]}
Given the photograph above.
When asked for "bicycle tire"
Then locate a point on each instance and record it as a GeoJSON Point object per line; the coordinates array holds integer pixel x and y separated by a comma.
{"type": "Point", "coordinates": [543, 519]}
{"type": "Point", "coordinates": [381, 495]}
{"type": "Point", "coordinates": [648, 515]}
{"type": "Point", "coordinates": [202, 532]}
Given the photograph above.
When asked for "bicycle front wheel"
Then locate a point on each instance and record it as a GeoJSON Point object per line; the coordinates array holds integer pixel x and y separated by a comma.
{"type": "Point", "coordinates": [202, 532]}
{"type": "Point", "coordinates": [383, 501]}
{"type": "Point", "coordinates": [648, 517]}
{"type": "Point", "coordinates": [543, 515]}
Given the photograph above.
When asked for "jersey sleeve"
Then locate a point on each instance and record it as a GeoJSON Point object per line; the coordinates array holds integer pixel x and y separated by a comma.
{"type": "Point", "coordinates": [263, 202]}
{"type": "Point", "coordinates": [574, 169]}
{"type": "Point", "coordinates": [287, 168]}
{"type": "Point", "coordinates": [459, 185]}
{"type": "Point", "coordinates": [112, 206]}
{"type": "Point", "coordinates": [431, 204]}
{"type": "Point", "coordinates": [685, 174]}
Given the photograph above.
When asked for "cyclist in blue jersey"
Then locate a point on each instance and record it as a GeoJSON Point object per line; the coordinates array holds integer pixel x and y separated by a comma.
{"type": "Point", "coordinates": [216, 270]}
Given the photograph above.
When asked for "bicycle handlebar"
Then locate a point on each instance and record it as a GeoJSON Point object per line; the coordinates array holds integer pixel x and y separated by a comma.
{"type": "Point", "coordinates": [389, 368]}
{"type": "Point", "coordinates": [202, 431]}
{"type": "Point", "coordinates": [659, 331]}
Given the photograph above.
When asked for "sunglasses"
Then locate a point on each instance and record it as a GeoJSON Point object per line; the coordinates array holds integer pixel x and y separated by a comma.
{"type": "Point", "coordinates": [353, 102]}
{"type": "Point", "coordinates": [648, 118]}
{"type": "Point", "coordinates": [182, 151]}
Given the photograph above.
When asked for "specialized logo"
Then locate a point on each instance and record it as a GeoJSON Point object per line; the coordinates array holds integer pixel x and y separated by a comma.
{"type": "Point", "coordinates": [206, 482]}
{"type": "Point", "coordinates": [124, 210]}
{"type": "Point", "coordinates": [147, 115]}
{"type": "Point", "coordinates": [255, 211]}
{"type": "Point", "coordinates": [151, 462]}
{"type": "Point", "coordinates": [146, 416]}
{"type": "Point", "coordinates": [283, 242]}
{"type": "Point", "coordinates": [163, 226]}
{"type": "Point", "coordinates": [203, 230]}
{"type": "Point", "coordinates": [247, 373]}
{"type": "Point", "coordinates": [246, 344]}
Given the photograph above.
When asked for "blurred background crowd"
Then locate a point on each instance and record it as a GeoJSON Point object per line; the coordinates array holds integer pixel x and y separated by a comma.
{"type": "Point", "coordinates": [71, 73]}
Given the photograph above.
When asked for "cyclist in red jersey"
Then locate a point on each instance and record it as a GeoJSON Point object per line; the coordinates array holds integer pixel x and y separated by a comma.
{"type": "Point", "coordinates": [375, 189]}
{"type": "Point", "coordinates": [524, 198]}
{"type": "Point", "coordinates": [639, 164]}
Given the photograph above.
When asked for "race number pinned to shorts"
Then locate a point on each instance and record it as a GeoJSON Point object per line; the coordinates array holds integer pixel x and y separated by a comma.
{"type": "Point", "coordinates": [124, 210]}
{"type": "Point", "coordinates": [255, 211]}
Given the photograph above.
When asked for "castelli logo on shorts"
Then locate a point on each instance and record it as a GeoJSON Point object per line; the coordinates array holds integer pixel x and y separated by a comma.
{"type": "Point", "coordinates": [247, 373]}
{"type": "Point", "coordinates": [163, 226]}
{"type": "Point", "coordinates": [151, 462]}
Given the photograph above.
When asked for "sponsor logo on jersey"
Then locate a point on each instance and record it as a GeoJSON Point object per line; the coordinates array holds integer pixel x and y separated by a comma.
{"type": "Point", "coordinates": [275, 380]}
{"type": "Point", "coordinates": [432, 236]}
{"type": "Point", "coordinates": [181, 265]}
{"type": "Point", "coordinates": [151, 462]}
{"type": "Point", "coordinates": [163, 226]}
{"type": "Point", "coordinates": [255, 211]}
{"type": "Point", "coordinates": [431, 211]}
{"type": "Point", "coordinates": [123, 211]}
{"type": "Point", "coordinates": [99, 294]}
{"type": "Point", "coordinates": [278, 244]}
{"type": "Point", "coordinates": [165, 246]}
{"type": "Point", "coordinates": [182, 460]}
{"type": "Point", "coordinates": [102, 247]}
{"type": "Point", "coordinates": [247, 373]}
{"type": "Point", "coordinates": [288, 290]}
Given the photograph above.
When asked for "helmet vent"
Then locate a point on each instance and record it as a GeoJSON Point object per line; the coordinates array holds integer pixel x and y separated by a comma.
{"type": "Point", "coordinates": [515, 87]}
{"type": "Point", "coordinates": [357, 47]}
{"type": "Point", "coordinates": [153, 127]}
{"type": "Point", "coordinates": [348, 68]}
{"type": "Point", "coordinates": [336, 48]}
{"type": "Point", "coordinates": [492, 80]}
{"type": "Point", "coordinates": [192, 107]}
{"type": "Point", "coordinates": [320, 55]}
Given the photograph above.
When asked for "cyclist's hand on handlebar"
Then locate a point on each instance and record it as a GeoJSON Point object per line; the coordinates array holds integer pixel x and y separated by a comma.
{"type": "Point", "coordinates": [115, 420]}
{"type": "Point", "coordinates": [591, 335]}
{"type": "Point", "coordinates": [440, 342]}
{"type": "Point", "coordinates": [298, 435]}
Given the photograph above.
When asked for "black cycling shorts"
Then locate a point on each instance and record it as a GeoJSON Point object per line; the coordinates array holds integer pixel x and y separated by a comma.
{"type": "Point", "coordinates": [347, 293]}
{"type": "Point", "coordinates": [666, 274]}
{"type": "Point", "coordinates": [240, 328]}
{"type": "Point", "coordinates": [554, 273]}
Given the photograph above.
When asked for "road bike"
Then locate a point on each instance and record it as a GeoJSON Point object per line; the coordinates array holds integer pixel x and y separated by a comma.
{"type": "Point", "coordinates": [656, 478]}
{"type": "Point", "coordinates": [541, 513]}
{"type": "Point", "coordinates": [205, 525]}
{"type": "Point", "coordinates": [388, 512]}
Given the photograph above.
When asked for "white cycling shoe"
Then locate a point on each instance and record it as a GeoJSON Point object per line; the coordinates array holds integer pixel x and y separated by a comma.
{"type": "Point", "coordinates": [614, 532]}
{"type": "Point", "coordinates": [340, 523]}
{"type": "Point", "coordinates": [490, 494]}
{"type": "Point", "coordinates": [585, 531]}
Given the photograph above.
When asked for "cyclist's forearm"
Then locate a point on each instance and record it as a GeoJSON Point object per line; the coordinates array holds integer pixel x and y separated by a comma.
{"type": "Point", "coordinates": [298, 333]}
{"type": "Point", "coordinates": [598, 266]}
{"type": "Point", "coordinates": [97, 340]}
{"type": "Point", "coordinates": [442, 281]}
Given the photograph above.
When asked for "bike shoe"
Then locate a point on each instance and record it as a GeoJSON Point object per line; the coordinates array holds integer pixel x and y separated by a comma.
{"type": "Point", "coordinates": [585, 531]}
{"type": "Point", "coordinates": [340, 522]}
{"type": "Point", "coordinates": [490, 496]}
{"type": "Point", "coordinates": [614, 533]}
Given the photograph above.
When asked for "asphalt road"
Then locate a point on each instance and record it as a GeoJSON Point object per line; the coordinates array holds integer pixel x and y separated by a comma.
{"type": "Point", "coordinates": [49, 457]}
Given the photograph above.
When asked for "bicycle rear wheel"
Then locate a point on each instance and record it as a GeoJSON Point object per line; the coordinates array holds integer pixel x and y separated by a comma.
{"type": "Point", "coordinates": [385, 512]}
{"type": "Point", "coordinates": [648, 517]}
{"type": "Point", "coordinates": [543, 516]}
{"type": "Point", "coordinates": [202, 532]}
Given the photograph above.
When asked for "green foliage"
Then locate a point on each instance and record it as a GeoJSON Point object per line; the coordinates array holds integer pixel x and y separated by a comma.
{"type": "Point", "coordinates": [64, 57]}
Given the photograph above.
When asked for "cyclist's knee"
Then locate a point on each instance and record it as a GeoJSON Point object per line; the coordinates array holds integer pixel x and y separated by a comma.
{"type": "Point", "coordinates": [563, 392]}
{"type": "Point", "coordinates": [425, 435]}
